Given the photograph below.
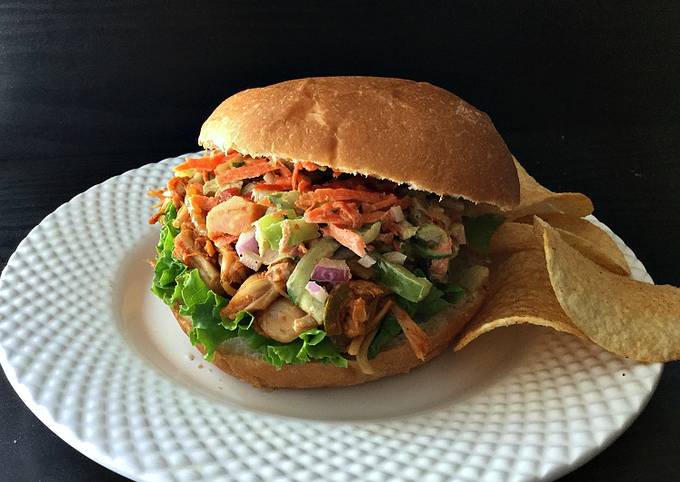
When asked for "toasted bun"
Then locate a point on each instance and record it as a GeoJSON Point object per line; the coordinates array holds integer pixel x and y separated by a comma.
{"type": "Point", "coordinates": [235, 358]}
{"type": "Point", "coordinates": [405, 131]}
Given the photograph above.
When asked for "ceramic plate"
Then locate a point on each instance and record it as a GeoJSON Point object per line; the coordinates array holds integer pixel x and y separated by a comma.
{"type": "Point", "coordinates": [105, 366]}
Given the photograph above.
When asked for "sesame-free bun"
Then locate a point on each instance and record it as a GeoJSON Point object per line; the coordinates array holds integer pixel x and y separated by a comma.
{"type": "Point", "coordinates": [235, 358]}
{"type": "Point", "coordinates": [405, 131]}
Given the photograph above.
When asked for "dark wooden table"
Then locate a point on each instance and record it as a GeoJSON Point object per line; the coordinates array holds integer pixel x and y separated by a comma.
{"type": "Point", "coordinates": [586, 97]}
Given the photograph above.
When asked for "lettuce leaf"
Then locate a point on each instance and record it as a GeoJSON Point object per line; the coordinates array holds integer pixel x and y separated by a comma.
{"type": "Point", "coordinates": [478, 231]}
{"type": "Point", "coordinates": [167, 268]}
{"type": "Point", "coordinates": [175, 283]}
{"type": "Point", "coordinates": [389, 328]}
{"type": "Point", "coordinates": [242, 322]}
{"type": "Point", "coordinates": [440, 297]}
{"type": "Point", "coordinates": [453, 293]}
{"type": "Point", "coordinates": [310, 345]}
{"type": "Point", "coordinates": [203, 306]}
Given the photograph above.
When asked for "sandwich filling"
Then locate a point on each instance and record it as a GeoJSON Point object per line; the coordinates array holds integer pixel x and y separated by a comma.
{"type": "Point", "coordinates": [306, 263]}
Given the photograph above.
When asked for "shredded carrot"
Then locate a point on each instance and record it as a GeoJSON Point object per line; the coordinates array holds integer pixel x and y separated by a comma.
{"type": "Point", "coordinates": [321, 195]}
{"type": "Point", "coordinates": [389, 200]}
{"type": "Point", "coordinates": [266, 202]}
{"type": "Point", "coordinates": [338, 212]}
{"type": "Point", "coordinates": [249, 171]}
{"type": "Point", "coordinates": [194, 188]}
{"type": "Point", "coordinates": [350, 239]}
{"type": "Point", "coordinates": [309, 166]}
{"type": "Point", "coordinates": [373, 216]}
{"type": "Point", "coordinates": [277, 184]}
{"type": "Point", "coordinates": [203, 163]}
{"type": "Point", "coordinates": [299, 181]}
{"type": "Point", "coordinates": [227, 193]}
{"type": "Point", "coordinates": [177, 186]}
{"type": "Point", "coordinates": [154, 219]}
{"type": "Point", "coordinates": [285, 172]}
{"type": "Point", "coordinates": [296, 175]}
{"type": "Point", "coordinates": [159, 193]}
{"type": "Point", "coordinates": [354, 182]}
{"type": "Point", "coordinates": [204, 203]}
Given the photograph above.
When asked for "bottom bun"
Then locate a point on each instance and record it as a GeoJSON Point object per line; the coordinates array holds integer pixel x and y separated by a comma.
{"type": "Point", "coordinates": [235, 358]}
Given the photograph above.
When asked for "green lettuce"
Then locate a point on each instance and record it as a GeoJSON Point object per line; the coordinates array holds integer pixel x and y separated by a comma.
{"type": "Point", "coordinates": [478, 231]}
{"type": "Point", "coordinates": [175, 283]}
{"type": "Point", "coordinates": [310, 345]}
{"type": "Point", "coordinates": [167, 268]}
{"type": "Point", "coordinates": [203, 306]}
{"type": "Point", "coordinates": [440, 297]}
{"type": "Point", "coordinates": [389, 328]}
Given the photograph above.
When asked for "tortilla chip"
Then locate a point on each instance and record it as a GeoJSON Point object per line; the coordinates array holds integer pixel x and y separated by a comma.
{"type": "Point", "coordinates": [536, 199]}
{"type": "Point", "coordinates": [591, 241]}
{"type": "Point", "coordinates": [511, 238]}
{"type": "Point", "coordinates": [627, 317]}
{"type": "Point", "coordinates": [519, 292]}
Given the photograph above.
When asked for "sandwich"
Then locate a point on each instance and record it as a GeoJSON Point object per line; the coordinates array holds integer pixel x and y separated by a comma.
{"type": "Point", "coordinates": [334, 231]}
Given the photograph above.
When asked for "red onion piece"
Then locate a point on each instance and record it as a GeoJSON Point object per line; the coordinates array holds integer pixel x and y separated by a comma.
{"type": "Point", "coordinates": [317, 291]}
{"type": "Point", "coordinates": [247, 243]}
{"type": "Point", "coordinates": [331, 270]}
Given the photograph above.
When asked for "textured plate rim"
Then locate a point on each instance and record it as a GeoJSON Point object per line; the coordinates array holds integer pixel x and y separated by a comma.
{"type": "Point", "coordinates": [62, 431]}
{"type": "Point", "coordinates": [120, 466]}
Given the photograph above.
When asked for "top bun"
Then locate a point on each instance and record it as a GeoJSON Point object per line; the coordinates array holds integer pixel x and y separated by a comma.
{"type": "Point", "coordinates": [405, 131]}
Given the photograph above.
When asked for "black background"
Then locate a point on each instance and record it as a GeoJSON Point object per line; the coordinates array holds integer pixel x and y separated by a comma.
{"type": "Point", "coordinates": [585, 94]}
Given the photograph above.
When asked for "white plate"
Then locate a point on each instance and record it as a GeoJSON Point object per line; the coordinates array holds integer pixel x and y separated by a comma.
{"type": "Point", "coordinates": [104, 365]}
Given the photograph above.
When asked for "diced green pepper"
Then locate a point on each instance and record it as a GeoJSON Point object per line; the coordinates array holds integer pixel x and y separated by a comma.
{"type": "Point", "coordinates": [400, 280]}
{"type": "Point", "coordinates": [431, 233]}
{"type": "Point", "coordinates": [311, 305]}
{"type": "Point", "coordinates": [300, 231]}
{"type": "Point", "coordinates": [268, 230]}
{"type": "Point", "coordinates": [429, 241]}
{"type": "Point", "coordinates": [284, 200]}
{"type": "Point", "coordinates": [295, 285]}
{"type": "Point", "coordinates": [369, 234]}
{"type": "Point", "coordinates": [432, 253]}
